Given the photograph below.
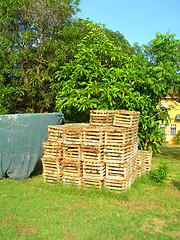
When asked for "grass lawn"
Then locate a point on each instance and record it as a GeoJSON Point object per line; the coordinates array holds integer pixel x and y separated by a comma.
{"type": "Point", "coordinates": [32, 209]}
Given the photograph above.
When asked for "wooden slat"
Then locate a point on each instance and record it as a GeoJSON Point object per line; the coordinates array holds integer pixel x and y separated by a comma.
{"type": "Point", "coordinates": [92, 153]}
{"type": "Point", "coordinates": [124, 118]}
{"type": "Point", "coordinates": [118, 154]}
{"type": "Point", "coordinates": [52, 170]}
{"type": "Point", "coordinates": [120, 171]}
{"type": "Point", "coordinates": [93, 136]}
{"type": "Point", "coordinates": [102, 117]}
{"type": "Point", "coordinates": [90, 182]}
{"type": "Point", "coordinates": [120, 136]}
{"type": "Point", "coordinates": [93, 170]}
{"type": "Point", "coordinates": [53, 149]}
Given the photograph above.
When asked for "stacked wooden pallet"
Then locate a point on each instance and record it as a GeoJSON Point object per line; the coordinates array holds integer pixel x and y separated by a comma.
{"type": "Point", "coordinates": [62, 155]}
{"type": "Point", "coordinates": [143, 161]}
{"type": "Point", "coordinates": [103, 151]}
{"type": "Point", "coordinates": [93, 165]}
{"type": "Point", "coordinates": [120, 157]}
{"type": "Point", "coordinates": [51, 161]}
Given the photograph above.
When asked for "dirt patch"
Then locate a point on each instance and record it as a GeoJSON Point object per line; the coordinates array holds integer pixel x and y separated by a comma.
{"type": "Point", "coordinates": [138, 205]}
{"type": "Point", "coordinates": [159, 225]}
{"type": "Point", "coordinates": [28, 229]}
{"type": "Point", "coordinates": [70, 206]}
{"type": "Point", "coordinates": [146, 226]}
{"type": "Point", "coordinates": [87, 206]}
{"type": "Point", "coordinates": [174, 234]}
{"type": "Point", "coordinates": [4, 223]}
{"type": "Point", "coordinates": [65, 211]}
{"type": "Point", "coordinates": [70, 236]}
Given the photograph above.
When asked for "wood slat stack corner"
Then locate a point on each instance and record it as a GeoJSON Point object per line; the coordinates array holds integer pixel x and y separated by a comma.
{"type": "Point", "coordinates": [105, 151]}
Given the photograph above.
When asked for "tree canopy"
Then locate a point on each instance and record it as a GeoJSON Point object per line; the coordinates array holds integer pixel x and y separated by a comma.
{"type": "Point", "coordinates": [104, 75]}
{"type": "Point", "coordinates": [50, 60]}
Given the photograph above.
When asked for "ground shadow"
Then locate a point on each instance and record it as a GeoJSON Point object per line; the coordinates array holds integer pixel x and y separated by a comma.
{"type": "Point", "coordinates": [37, 170]}
{"type": "Point", "coordinates": [176, 184]}
{"type": "Point", "coordinates": [170, 151]}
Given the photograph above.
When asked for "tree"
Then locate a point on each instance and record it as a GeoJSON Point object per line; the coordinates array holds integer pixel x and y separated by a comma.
{"type": "Point", "coordinates": [28, 36]}
{"type": "Point", "coordinates": [104, 76]}
{"type": "Point", "coordinates": [163, 53]}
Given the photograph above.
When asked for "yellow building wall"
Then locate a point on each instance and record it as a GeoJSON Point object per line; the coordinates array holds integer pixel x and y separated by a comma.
{"type": "Point", "coordinates": [173, 112]}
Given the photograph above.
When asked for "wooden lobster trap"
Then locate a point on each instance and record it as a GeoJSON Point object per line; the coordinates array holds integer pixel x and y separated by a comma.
{"type": "Point", "coordinates": [92, 169]}
{"type": "Point", "coordinates": [71, 152]}
{"type": "Point", "coordinates": [56, 133]}
{"type": "Point", "coordinates": [120, 136]}
{"type": "Point", "coordinates": [71, 171]}
{"type": "Point", "coordinates": [53, 149]}
{"type": "Point", "coordinates": [73, 133]}
{"type": "Point", "coordinates": [144, 159]}
{"type": "Point", "coordinates": [93, 136]}
{"type": "Point", "coordinates": [125, 118]}
{"type": "Point", "coordinates": [72, 179]}
{"type": "Point", "coordinates": [102, 117]}
{"type": "Point", "coordinates": [92, 182]}
{"type": "Point", "coordinates": [118, 154]}
{"type": "Point", "coordinates": [52, 170]}
{"type": "Point", "coordinates": [117, 185]}
{"type": "Point", "coordinates": [120, 171]}
{"type": "Point", "coordinates": [92, 153]}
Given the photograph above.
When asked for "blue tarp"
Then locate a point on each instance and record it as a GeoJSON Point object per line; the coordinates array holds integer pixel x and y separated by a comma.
{"type": "Point", "coordinates": [21, 141]}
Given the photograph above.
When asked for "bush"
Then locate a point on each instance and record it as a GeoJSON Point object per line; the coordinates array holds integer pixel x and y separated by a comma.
{"type": "Point", "coordinates": [178, 137]}
{"type": "Point", "coordinates": [161, 173]}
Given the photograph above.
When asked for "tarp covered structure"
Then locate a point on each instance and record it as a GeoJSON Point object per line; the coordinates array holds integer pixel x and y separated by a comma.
{"type": "Point", "coordinates": [21, 141]}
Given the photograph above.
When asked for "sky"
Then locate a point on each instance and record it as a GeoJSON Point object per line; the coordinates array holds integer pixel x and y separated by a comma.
{"type": "Point", "coordinates": [137, 20]}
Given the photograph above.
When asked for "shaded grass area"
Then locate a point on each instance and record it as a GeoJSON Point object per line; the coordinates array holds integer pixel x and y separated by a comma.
{"type": "Point", "coordinates": [31, 209]}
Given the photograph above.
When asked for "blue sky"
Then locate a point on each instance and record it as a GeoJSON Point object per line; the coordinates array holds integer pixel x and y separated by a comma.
{"type": "Point", "coordinates": [137, 20]}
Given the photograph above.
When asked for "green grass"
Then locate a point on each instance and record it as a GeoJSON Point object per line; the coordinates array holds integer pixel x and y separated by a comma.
{"type": "Point", "coordinates": [32, 209]}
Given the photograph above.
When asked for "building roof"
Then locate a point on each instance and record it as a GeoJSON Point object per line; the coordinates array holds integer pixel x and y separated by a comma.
{"type": "Point", "coordinates": [175, 95]}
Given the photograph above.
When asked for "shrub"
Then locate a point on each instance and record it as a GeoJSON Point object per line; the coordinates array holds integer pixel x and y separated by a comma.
{"type": "Point", "coordinates": [178, 137]}
{"type": "Point", "coordinates": [160, 174]}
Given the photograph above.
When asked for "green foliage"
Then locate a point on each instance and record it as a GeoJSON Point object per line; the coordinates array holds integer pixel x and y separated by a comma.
{"type": "Point", "coordinates": [160, 174]}
{"type": "Point", "coordinates": [28, 37]}
{"type": "Point", "coordinates": [178, 137]}
{"type": "Point", "coordinates": [104, 75]}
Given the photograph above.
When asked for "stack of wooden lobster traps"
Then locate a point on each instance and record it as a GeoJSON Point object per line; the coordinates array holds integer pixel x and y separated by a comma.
{"type": "Point", "coordinates": [105, 151]}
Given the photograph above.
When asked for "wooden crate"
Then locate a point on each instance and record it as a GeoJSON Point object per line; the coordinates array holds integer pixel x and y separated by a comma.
{"type": "Point", "coordinates": [93, 136]}
{"type": "Point", "coordinates": [52, 170]}
{"type": "Point", "coordinates": [53, 149]}
{"type": "Point", "coordinates": [90, 182]}
{"type": "Point", "coordinates": [56, 133]}
{"type": "Point", "coordinates": [71, 152]}
{"type": "Point", "coordinates": [117, 185]}
{"type": "Point", "coordinates": [71, 168]}
{"type": "Point", "coordinates": [102, 117]}
{"type": "Point", "coordinates": [125, 118]}
{"type": "Point", "coordinates": [118, 154]}
{"type": "Point", "coordinates": [120, 136]}
{"type": "Point", "coordinates": [70, 179]}
{"type": "Point", "coordinates": [73, 133]}
{"type": "Point", "coordinates": [148, 160]}
{"type": "Point", "coordinates": [144, 159]}
{"type": "Point", "coordinates": [92, 169]}
{"type": "Point", "coordinates": [120, 171]}
{"type": "Point", "coordinates": [92, 153]}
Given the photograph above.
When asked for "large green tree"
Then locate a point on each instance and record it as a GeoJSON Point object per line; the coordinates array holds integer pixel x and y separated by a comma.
{"type": "Point", "coordinates": [28, 36]}
{"type": "Point", "coordinates": [104, 76]}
